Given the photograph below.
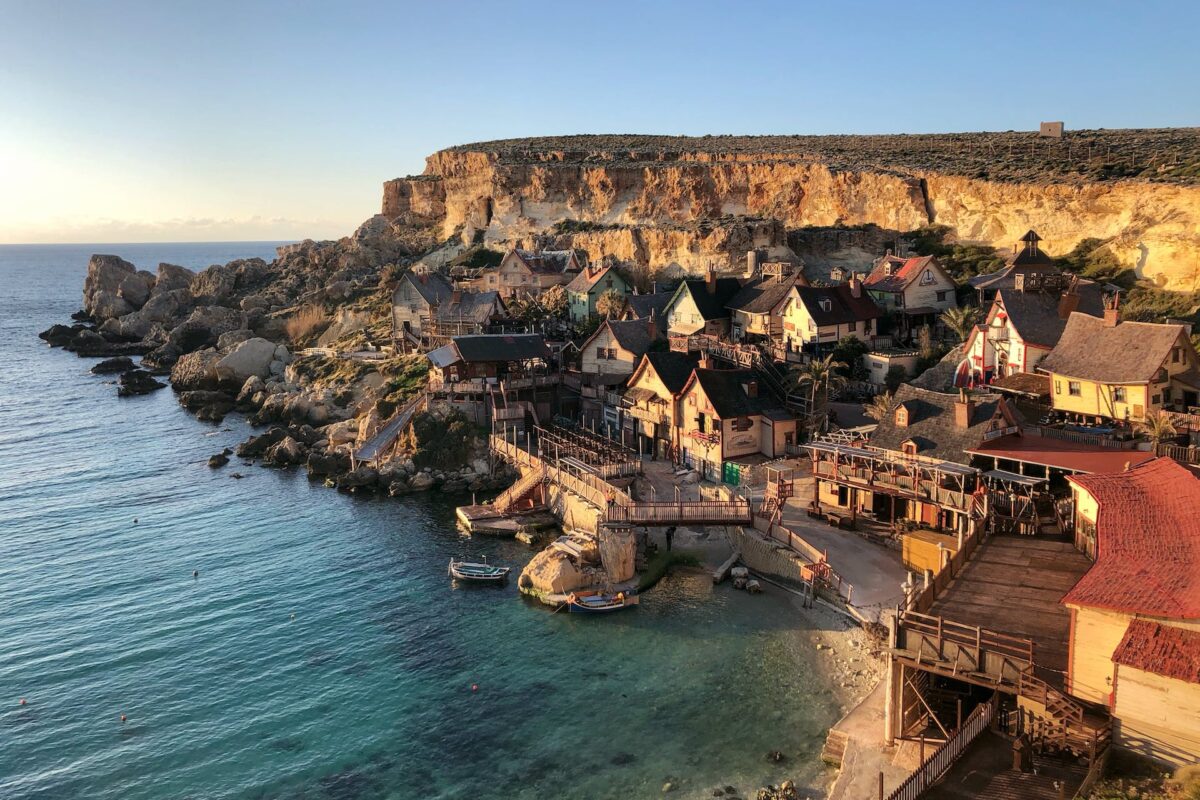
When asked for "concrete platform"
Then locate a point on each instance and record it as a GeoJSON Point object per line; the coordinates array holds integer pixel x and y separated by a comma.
{"type": "Point", "coordinates": [486, 521]}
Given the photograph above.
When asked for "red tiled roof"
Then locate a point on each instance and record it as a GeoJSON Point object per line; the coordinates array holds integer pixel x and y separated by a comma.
{"type": "Point", "coordinates": [903, 273]}
{"type": "Point", "coordinates": [1147, 542]}
{"type": "Point", "coordinates": [1162, 649]}
{"type": "Point", "coordinates": [1033, 449]}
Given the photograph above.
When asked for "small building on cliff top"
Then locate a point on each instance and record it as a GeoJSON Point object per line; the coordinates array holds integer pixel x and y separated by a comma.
{"type": "Point", "coordinates": [1135, 614]}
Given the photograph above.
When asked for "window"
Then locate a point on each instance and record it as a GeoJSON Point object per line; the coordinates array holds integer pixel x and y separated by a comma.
{"type": "Point", "coordinates": [826, 305]}
{"type": "Point", "coordinates": [1058, 387]}
{"type": "Point", "coordinates": [1156, 400]}
{"type": "Point", "coordinates": [601, 353]}
{"type": "Point", "coordinates": [1175, 355]}
{"type": "Point", "coordinates": [853, 326]}
{"type": "Point", "coordinates": [612, 353]}
{"type": "Point", "coordinates": [909, 448]}
{"type": "Point", "coordinates": [927, 277]}
{"type": "Point", "coordinates": [742, 424]}
{"type": "Point", "coordinates": [1118, 394]}
{"type": "Point", "coordinates": [941, 296]}
{"type": "Point", "coordinates": [1074, 389]}
{"type": "Point", "coordinates": [701, 423]}
{"type": "Point", "coordinates": [1161, 376]}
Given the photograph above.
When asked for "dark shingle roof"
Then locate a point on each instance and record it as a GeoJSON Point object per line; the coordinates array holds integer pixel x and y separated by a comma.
{"type": "Point", "coordinates": [641, 305]}
{"type": "Point", "coordinates": [433, 287]}
{"type": "Point", "coordinates": [673, 368]}
{"type": "Point", "coordinates": [471, 306]}
{"type": "Point", "coordinates": [634, 334]}
{"type": "Point", "coordinates": [1035, 314]}
{"type": "Point", "coordinates": [761, 295]}
{"type": "Point", "coordinates": [547, 262]}
{"type": "Point", "coordinates": [726, 390]}
{"type": "Point", "coordinates": [843, 305]}
{"type": "Point", "coordinates": [713, 306]}
{"type": "Point", "coordinates": [588, 278]}
{"type": "Point", "coordinates": [1130, 352]}
{"type": "Point", "coordinates": [931, 425]}
{"type": "Point", "coordinates": [1165, 650]}
{"type": "Point", "coordinates": [493, 347]}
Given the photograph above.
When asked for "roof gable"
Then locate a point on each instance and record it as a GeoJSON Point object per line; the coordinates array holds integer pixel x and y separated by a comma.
{"type": "Point", "coordinates": [586, 280]}
{"type": "Point", "coordinates": [893, 274]}
{"type": "Point", "coordinates": [672, 368]}
{"type": "Point", "coordinates": [432, 287]}
{"type": "Point", "coordinates": [762, 295]}
{"type": "Point", "coordinates": [709, 305]}
{"type": "Point", "coordinates": [836, 305]}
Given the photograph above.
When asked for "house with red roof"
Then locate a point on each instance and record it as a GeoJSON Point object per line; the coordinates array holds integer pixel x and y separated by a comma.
{"type": "Point", "coordinates": [1135, 614]}
{"type": "Point", "coordinates": [916, 289]}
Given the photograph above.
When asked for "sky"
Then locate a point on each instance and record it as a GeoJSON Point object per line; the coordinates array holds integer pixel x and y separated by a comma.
{"type": "Point", "coordinates": [125, 121]}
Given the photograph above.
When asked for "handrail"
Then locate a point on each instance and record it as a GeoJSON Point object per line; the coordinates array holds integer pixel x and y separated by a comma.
{"type": "Point", "coordinates": [957, 633]}
{"type": "Point", "coordinates": [944, 757]}
{"type": "Point", "coordinates": [683, 512]}
{"type": "Point", "coordinates": [506, 499]}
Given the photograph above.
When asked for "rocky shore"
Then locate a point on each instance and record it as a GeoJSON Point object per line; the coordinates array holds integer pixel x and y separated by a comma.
{"type": "Point", "coordinates": [268, 340]}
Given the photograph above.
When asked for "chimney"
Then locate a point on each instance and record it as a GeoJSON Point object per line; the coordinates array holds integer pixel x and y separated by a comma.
{"type": "Point", "coordinates": [651, 325]}
{"type": "Point", "coordinates": [1112, 312]}
{"type": "Point", "coordinates": [751, 263]}
{"type": "Point", "coordinates": [456, 296]}
{"type": "Point", "coordinates": [423, 277]}
{"type": "Point", "coordinates": [751, 388]}
{"type": "Point", "coordinates": [703, 363]}
{"type": "Point", "coordinates": [855, 286]}
{"type": "Point", "coordinates": [710, 280]}
{"type": "Point", "coordinates": [1068, 303]}
{"type": "Point", "coordinates": [963, 408]}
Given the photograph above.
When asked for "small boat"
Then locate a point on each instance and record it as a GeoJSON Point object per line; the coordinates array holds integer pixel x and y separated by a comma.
{"type": "Point", "coordinates": [598, 602]}
{"type": "Point", "coordinates": [473, 571]}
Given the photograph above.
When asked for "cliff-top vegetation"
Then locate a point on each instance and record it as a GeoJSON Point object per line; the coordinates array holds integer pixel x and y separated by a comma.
{"type": "Point", "coordinates": [1165, 155]}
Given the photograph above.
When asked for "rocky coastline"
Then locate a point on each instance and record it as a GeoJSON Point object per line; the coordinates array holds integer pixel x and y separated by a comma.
{"type": "Point", "coordinates": [225, 341]}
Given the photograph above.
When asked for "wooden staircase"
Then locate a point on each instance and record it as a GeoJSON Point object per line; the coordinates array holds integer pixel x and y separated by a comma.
{"type": "Point", "coordinates": [525, 486]}
{"type": "Point", "coordinates": [1055, 722]}
{"type": "Point", "coordinates": [776, 495]}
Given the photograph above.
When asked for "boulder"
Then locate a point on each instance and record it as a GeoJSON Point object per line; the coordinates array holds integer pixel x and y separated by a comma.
{"type": "Point", "coordinates": [135, 289]}
{"type": "Point", "coordinates": [112, 365]}
{"type": "Point", "coordinates": [361, 479]}
{"type": "Point", "coordinates": [251, 357]}
{"type": "Point", "coordinates": [321, 463]}
{"type": "Point", "coordinates": [171, 277]}
{"type": "Point", "coordinates": [60, 335]}
{"type": "Point", "coordinates": [344, 432]}
{"type": "Point", "coordinates": [286, 452]}
{"type": "Point", "coordinates": [230, 339]}
{"type": "Point", "coordinates": [421, 482]}
{"type": "Point", "coordinates": [101, 298]}
{"type": "Point", "coordinates": [165, 308]}
{"type": "Point", "coordinates": [207, 404]}
{"type": "Point", "coordinates": [196, 370]}
{"type": "Point", "coordinates": [137, 381]}
{"type": "Point", "coordinates": [247, 397]}
{"type": "Point", "coordinates": [215, 285]}
{"type": "Point", "coordinates": [257, 445]}
{"type": "Point", "coordinates": [91, 344]}
{"type": "Point", "coordinates": [218, 460]}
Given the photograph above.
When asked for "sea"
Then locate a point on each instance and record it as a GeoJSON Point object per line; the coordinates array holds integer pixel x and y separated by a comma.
{"type": "Point", "coordinates": [321, 651]}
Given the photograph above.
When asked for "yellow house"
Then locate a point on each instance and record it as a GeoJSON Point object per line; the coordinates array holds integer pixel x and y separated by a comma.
{"type": "Point", "coordinates": [1105, 367]}
{"type": "Point", "coordinates": [699, 306]}
{"type": "Point", "coordinates": [652, 412]}
{"type": "Point", "coordinates": [823, 315]}
{"type": "Point", "coordinates": [724, 416]}
{"type": "Point", "coordinates": [1135, 615]}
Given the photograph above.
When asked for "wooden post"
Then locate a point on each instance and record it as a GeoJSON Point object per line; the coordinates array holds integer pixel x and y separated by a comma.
{"type": "Point", "coordinates": [880, 784]}
{"type": "Point", "coordinates": [922, 759]}
{"type": "Point", "coordinates": [959, 725]}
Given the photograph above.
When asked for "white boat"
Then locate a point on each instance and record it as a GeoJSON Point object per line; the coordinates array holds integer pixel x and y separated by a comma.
{"type": "Point", "coordinates": [475, 571]}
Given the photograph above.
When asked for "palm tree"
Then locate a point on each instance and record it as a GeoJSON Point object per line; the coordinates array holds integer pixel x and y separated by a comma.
{"type": "Point", "coordinates": [610, 304]}
{"type": "Point", "coordinates": [819, 375]}
{"type": "Point", "coordinates": [961, 320]}
{"type": "Point", "coordinates": [880, 407]}
{"type": "Point", "coordinates": [1157, 427]}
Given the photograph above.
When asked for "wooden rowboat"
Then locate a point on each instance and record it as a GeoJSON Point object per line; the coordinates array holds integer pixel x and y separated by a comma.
{"type": "Point", "coordinates": [474, 571]}
{"type": "Point", "coordinates": [598, 602]}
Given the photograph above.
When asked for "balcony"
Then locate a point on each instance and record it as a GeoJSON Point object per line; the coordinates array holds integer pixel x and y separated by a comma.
{"type": "Point", "coordinates": [652, 415]}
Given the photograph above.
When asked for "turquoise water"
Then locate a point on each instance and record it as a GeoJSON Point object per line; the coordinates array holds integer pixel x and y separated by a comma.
{"type": "Point", "coordinates": [366, 691]}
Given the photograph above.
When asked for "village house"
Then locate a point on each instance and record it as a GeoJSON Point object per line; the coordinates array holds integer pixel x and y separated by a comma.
{"type": "Point", "coordinates": [1025, 322]}
{"type": "Point", "coordinates": [701, 306]}
{"type": "Point", "coordinates": [426, 303]}
{"type": "Point", "coordinates": [724, 415]}
{"type": "Point", "coordinates": [651, 419]}
{"type": "Point", "coordinates": [526, 273]}
{"type": "Point", "coordinates": [813, 316]}
{"type": "Point", "coordinates": [755, 309]}
{"type": "Point", "coordinates": [494, 378]}
{"type": "Point", "coordinates": [588, 286]}
{"type": "Point", "coordinates": [1027, 259]}
{"type": "Point", "coordinates": [641, 306]}
{"type": "Point", "coordinates": [1121, 370]}
{"type": "Point", "coordinates": [606, 360]}
{"type": "Point", "coordinates": [915, 289]}
{"type": "Point", "coordinates": [1135, 615]}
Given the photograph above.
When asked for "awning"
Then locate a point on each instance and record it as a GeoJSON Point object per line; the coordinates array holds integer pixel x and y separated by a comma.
{"type": "Point", "coordinates": [639, 394]}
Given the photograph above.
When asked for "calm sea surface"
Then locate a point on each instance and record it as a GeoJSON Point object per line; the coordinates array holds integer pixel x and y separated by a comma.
{"type": "Point", "coordinates": [322, 652]}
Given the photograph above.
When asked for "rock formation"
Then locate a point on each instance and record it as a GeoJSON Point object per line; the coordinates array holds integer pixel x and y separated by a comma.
{"type": "Point", "coordinates": [685, 202]}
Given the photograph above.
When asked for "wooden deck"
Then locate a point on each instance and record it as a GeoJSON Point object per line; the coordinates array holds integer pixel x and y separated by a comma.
{"type": "Point", "coordinates": [1013, 584]}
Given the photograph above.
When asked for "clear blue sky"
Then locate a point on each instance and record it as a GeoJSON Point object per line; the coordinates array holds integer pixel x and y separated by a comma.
{"type": "Point", "coordinates": [126, 121]}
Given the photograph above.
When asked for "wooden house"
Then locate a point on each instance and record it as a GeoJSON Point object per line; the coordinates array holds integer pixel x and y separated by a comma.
{"type": "Point", "coordinates": [1104, 367]}
{"type": "Point", "coordinates": [701, 306]}
{"type": "Point", "coordinates": [1025, 322]}
{"type": "Point", "coordinates": [588, 286]}
{"type": "Point", "coordinates": [755, 311]}
{"type": "Point", "coordinates": [1135, 614]}
{"type": "Point", "coordinates": [527, 273]}
{"type": "Point", "coordinates": [724, 415]}
{"type": "Point", "coordinates": [815, 316]}
{"type": "Point", "coordinates": [490, 357]}
{"type": "Point", "coordinates": [426, 303]}
{"type": "Point", "coordinates": [617, 346]}
{"type": "Point", "coordinates": [641, 306]}
{"type": "Point", "coordinates": [651, 414]}
{"type": "Point", "coordinates": [916, 289]}
{"type": "Point", "coordinates": [1028, 259]}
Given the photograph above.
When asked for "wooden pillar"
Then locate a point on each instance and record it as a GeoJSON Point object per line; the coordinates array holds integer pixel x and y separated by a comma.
{"type": "Point", "coordinates": [893, 708]}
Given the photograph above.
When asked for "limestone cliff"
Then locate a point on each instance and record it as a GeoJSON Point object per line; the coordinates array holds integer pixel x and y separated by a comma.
{"type": "Point", "coordinates": [683, 202]}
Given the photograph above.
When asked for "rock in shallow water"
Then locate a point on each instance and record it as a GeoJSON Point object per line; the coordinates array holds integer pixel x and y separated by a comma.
{"type": "Point", "coordinates": [112, 365]}
{"type": "Point", "coordinates": [137, 381]}
{"type": "Point", "coordinates": [218, 460]}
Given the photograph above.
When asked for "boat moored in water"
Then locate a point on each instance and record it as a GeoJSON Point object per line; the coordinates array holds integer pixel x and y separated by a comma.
{"type": "Point", "coordinates": [478, 572]}
{"type": "Point", "coordinates": [599, 602]}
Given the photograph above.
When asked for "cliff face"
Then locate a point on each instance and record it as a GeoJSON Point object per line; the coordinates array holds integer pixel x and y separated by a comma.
{"type": "Point", "coordinates": [685, 208]}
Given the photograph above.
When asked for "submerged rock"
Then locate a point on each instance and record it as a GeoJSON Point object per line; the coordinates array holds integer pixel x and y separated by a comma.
{"type": "Point", "coordinates": [137, 381]}
{"type": "Point", "coordinates": [218, 460]}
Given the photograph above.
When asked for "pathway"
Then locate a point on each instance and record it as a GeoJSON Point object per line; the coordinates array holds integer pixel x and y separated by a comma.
{"type": "Point", "coordinates": [378, 444]}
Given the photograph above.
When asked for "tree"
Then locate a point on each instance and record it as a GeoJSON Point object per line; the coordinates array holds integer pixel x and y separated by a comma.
{"type": "Point", "coordinates": [554, 301]}
{"type": "Point", "coordinates": [1157, 427]}
{"type": "Point", "coordinates": [611, 304]}
{"type": "Point", "coordinates": [880, 407]}
{"type": "Point", "coordinates": [819, 376]}
{"type": "Point", "coordinates": [850, 351]}
{"type": "Point", "coordinates": [961, 320]}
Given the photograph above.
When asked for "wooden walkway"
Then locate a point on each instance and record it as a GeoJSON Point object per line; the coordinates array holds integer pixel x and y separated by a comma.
{"type": "Point", "coordinates": [387, 434]}
{"type": "Point", "coordinates": [985, 770]}
{"type": "Point", "coordinates": [1013, 584]}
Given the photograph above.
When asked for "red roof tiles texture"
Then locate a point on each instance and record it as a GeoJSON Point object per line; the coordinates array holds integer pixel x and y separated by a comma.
{"type": "Point", "coordinates": [1147, 542]}
{"type": "Point", "coordinates": [1162, 649]}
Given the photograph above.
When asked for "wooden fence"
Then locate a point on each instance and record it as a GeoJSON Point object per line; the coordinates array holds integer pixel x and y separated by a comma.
{"type": "Point", "coordinates": [922, 601]}
{"type": "Point", "coordinates": [940, 761]}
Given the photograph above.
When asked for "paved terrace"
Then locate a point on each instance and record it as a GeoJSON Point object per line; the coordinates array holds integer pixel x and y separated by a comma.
{"type": "Point", "coordinates": [1013, 584]}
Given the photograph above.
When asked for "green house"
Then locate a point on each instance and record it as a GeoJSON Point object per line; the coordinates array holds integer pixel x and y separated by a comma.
{"type": "Point", "coordinates": [586, 289]}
